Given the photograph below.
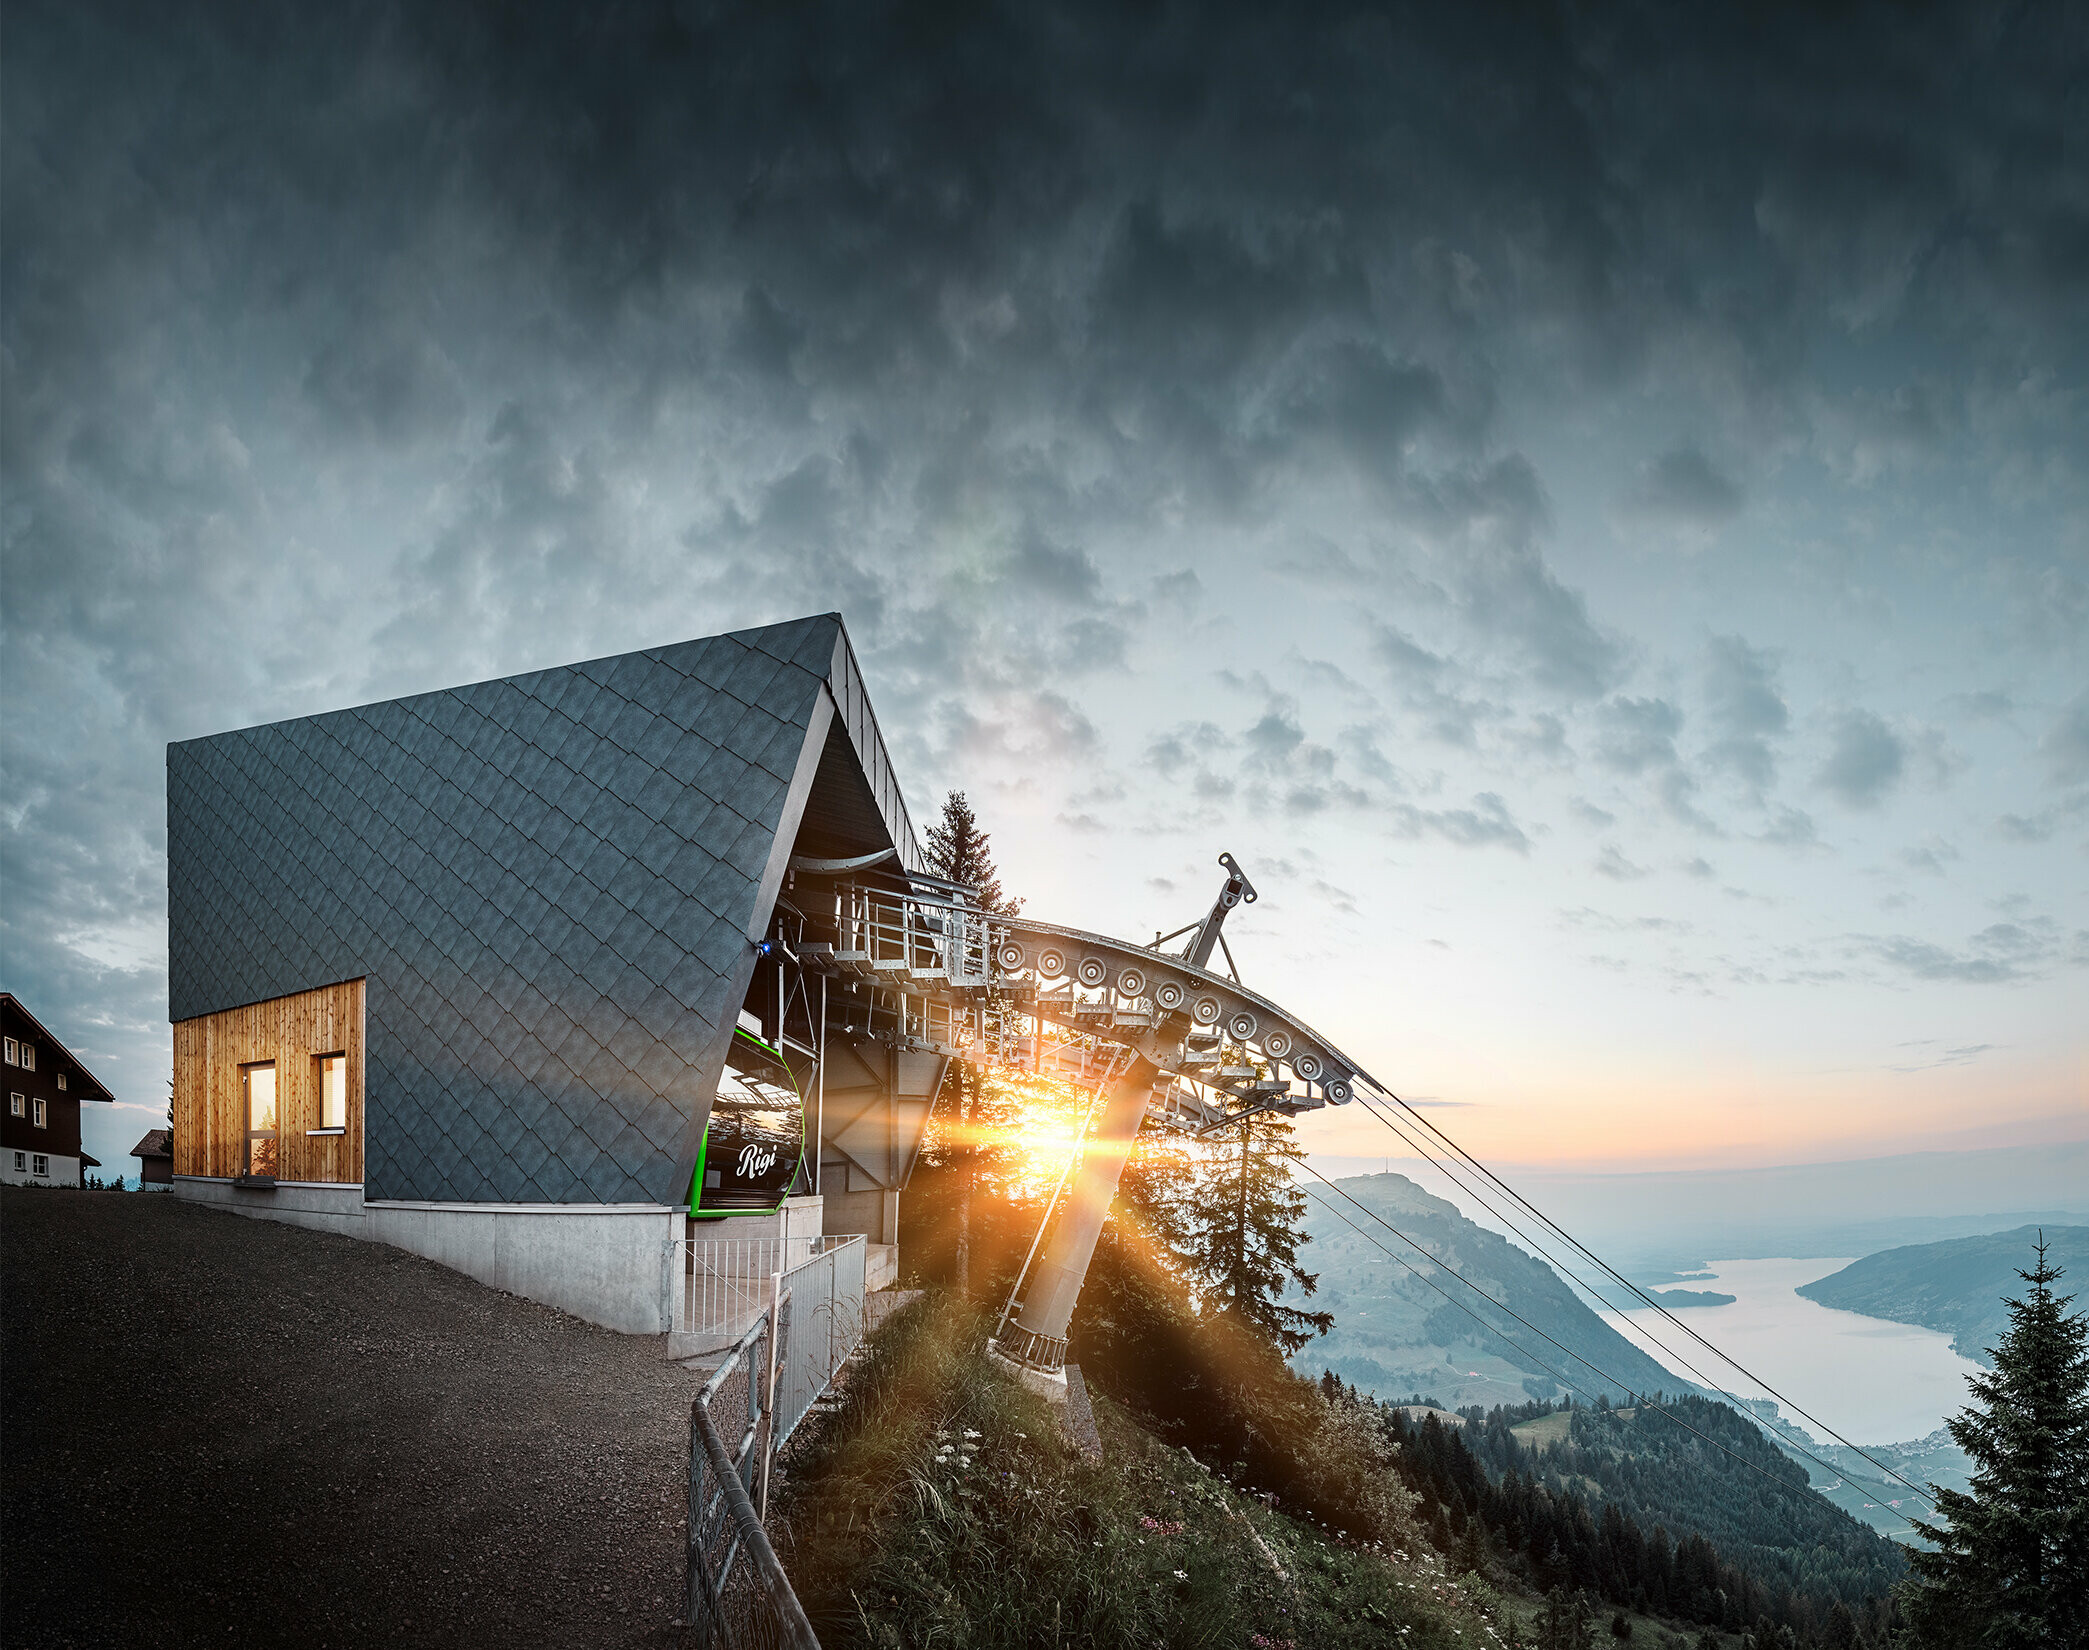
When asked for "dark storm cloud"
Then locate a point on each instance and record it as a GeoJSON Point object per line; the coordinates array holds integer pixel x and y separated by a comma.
{"type": "Point", "coordinates": [355, 349]}
{"type": "Point", "coordinates": [1866, 759]}
{"type": "Point", "coordinates": [1998, 954]}
{"type": "Point", "coordinates": [2066, 743]}
{"type": "Point", "coordinates": [1682, 488]}
{"type": "Point", "coordinates": [1486, 525]}
{"type": "Point", "coordinates": [1747, 708]}
{"type": "Point", "coordinates": [1425, 681]}
{"type": "Point", "coordinates": [1613, 864]}
{"type": "Point", "coordinates": [1486, 824]}
{"type": "Point", "coordinates": [1637, 734]}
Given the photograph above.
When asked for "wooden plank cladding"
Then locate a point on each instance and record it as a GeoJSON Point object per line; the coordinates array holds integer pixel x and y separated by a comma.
{"type": "Point", "coordinates": [213, 1052]}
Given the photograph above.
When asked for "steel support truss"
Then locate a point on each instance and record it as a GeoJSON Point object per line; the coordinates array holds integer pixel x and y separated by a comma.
{"type": "Point", "coordinates": [1159, 1032]}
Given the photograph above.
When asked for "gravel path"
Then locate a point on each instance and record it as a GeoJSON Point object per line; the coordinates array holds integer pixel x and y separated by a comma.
{"type": "Point", "coordinates": [221, 1430]}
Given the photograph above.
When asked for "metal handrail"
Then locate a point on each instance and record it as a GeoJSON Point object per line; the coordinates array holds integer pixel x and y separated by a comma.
{"type": "Point", "coordinates": [706, 1608]}
{"type": "Point", "coordinates": [941, 956]}
{"type": "Point", "coordinates": [797, 1629]}
{"type": "Point", "coordinates": [784, 1360]}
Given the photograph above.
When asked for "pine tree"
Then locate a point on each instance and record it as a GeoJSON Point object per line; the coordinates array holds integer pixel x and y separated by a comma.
{"type": "Point", "coordinates": [959, 851]}
{"type": "Point", "coordinates": [1564, 1623]}
{"type": "Point", "coordinates": [2011, 1561]}
{"type": "Point", "coordinates": [1244, 1234]}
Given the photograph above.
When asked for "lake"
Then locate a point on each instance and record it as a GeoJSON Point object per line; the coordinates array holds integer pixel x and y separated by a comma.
{"type": "Point", "coordinates": [1874, 1382]}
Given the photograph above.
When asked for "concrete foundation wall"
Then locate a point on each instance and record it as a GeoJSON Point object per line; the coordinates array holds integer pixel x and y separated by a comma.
{"type": "Point", "coordinates": [606, 1265]}
{"type": "Point", "coordinates": [873, 1213]}
{"type": "Point", "coordinates": [324, 1208]}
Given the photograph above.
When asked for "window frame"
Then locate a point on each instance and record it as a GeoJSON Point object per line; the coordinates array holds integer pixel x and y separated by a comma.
{"type": "Point", "coordinates": [11, 1051]}
{"type": "Point", "coordinates": [39, 1113]}
{"type": "Point", "coordinates": [40, 1164]}
{"type": "Point", "coordinates": [61, 1082]}
{"type": "Point", "coordinates": [17, 1105]}
{"type": "Point", "coordinates": [319, 1086]}
{"type": "Point", "coordinates": [248, 1133]}
{"type": "Point", "coordinates": [27, 1051]}
{"type": "Point", "coordinates": [21, 1162]}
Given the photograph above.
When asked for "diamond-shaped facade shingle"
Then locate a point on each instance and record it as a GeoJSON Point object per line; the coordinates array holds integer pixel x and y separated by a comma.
{"type": "Point", "coordinates": [546, 880]}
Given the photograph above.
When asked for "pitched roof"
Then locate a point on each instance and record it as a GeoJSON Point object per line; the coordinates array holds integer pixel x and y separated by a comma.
{"type": "Point", "coordinates": [157, 1143]}
{"type": "Point", "coordinates": [551, 883]}
{"type": "Point", "coordinates": [93, 1089]}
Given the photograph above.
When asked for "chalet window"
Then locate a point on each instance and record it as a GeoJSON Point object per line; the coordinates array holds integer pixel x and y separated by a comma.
{"type": "Point", "coordinates": [61, 1082]}
{"type": "Point", "coordinates": [43, 1165]}
{"type": "Point", "coordinates": [39, 1118]}
{"type": "Point", "coordinates": [333, 1092]}
{"type": "Point", "coordinates": [21, 1162]}
{"type": "Point", "coordinates": [16, 1105]}
{"type": "Point", "coordinates": [258, 1091]}
{"type": "Point", "coordinates": [28, 1051]}
{"type": "Point", "coordinates": [12, 1057]}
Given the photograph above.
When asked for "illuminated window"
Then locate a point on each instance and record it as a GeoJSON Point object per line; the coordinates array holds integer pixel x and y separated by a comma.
{"type": "Point", "coordinates": [333, 1091]}
{"type": "Point", "coordinates": [16, 1105]}
{"type": "Point", "coordinates": [258, 1084]}
{"type": "Point", "coordinates": [38, 1118]}
{"type": "Point", "coordinates": [43, 1164]}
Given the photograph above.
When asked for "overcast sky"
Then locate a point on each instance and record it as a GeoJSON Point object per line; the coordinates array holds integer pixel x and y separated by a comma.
{"type": "Point", "coordinates": [1593, 510]}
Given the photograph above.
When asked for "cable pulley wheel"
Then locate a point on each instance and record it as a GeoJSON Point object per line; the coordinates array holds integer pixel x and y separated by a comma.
{"type": "Point", "coordinates": [1051, 962]}
{"type": "Point", "coordinates": [1131, 983]}
{"type": "Point", "coordinates": [1307, 1065]}
{"type": "Point", "coordinates": [1241, 1026]}
{"type": "Point", "coordinates": [1168, 994]}
{"type": "Point", "coordinates": [1011, 957]}
{"type": "Point", "coordinates": [1092, 972]}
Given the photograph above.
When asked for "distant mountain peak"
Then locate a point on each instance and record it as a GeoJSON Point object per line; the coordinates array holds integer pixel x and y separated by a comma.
{"type": "Point", "coordinates": [1387, 1191]}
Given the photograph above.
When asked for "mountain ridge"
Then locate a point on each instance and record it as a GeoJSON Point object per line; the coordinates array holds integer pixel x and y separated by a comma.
{"type": "Point", "coordinates": [1960, 1286]}
{"type": "Point", "coordinates": [1395, 1335]}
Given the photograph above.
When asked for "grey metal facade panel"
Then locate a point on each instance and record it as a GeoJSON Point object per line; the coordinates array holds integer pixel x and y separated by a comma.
{"type": "Point", "coordinates": [546, 881]}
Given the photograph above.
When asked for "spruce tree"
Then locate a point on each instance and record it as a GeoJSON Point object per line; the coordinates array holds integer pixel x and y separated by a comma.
{"type": "Point", "coordinates": [959, 851]}
{"type": "Point", "coordinates": [1564, 1622]}
{"type": "Point", "coordinates": [1244, 1214]}
{"type": "Point", "coordinates": [2010, 1569]}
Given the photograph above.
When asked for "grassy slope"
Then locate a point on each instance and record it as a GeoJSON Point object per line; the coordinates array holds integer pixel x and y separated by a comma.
{"type": "Point", "coordinates": [941, 1507]}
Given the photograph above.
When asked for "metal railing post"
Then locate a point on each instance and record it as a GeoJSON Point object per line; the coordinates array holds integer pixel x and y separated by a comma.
{"type": "Point", "coordinates": [776, 1299]}
{"type": "Point", "coordinates": [796, 1629]}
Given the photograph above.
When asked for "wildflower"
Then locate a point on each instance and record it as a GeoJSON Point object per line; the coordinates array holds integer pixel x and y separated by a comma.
{"type": "Point", "coordinates": [1182, 1575]}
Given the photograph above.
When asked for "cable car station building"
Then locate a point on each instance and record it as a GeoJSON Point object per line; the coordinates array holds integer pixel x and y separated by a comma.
{"type": "Point", "coordinates": [556, 978]}
{"type": "Point", "coordinates": [463, 972]}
